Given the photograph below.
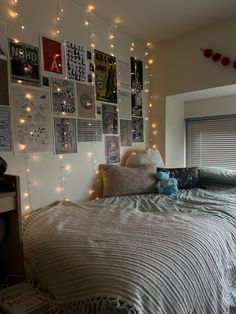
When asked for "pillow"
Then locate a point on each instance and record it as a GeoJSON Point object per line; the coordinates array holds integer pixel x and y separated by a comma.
{"type": "Point", "coordinates": [217, 175]}
{"type": "Point", "coordinates": [120, 180]}
{"type": "Point", "coordinates": [145, 157]}
{"type": "Point", "coordinates": [187, 178]}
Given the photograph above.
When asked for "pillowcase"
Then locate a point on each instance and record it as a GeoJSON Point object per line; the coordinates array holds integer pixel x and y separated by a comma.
{"type": "Point", "coordinates": [187, 178]}
{"type": "Point", "coordinates": [120, 180]}
{"type": "Point", "coordinates": [146, 157]}
{"type": "Point", "coordinates": [214, 175]}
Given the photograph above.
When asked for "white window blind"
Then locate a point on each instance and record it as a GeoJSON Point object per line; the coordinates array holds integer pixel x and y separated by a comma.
{"type": "Point", "coordinates": [212, 142]}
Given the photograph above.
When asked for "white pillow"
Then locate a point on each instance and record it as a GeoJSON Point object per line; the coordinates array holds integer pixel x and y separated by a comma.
{"type": "Point", "coordinates": [146, 157]}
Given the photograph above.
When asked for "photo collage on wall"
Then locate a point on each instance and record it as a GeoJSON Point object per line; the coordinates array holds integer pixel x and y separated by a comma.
{"type": "Point", "coordinates": [67, 94]}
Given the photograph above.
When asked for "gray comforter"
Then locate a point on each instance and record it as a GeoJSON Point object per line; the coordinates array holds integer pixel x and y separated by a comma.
{"type": "Point", "coordinates": [98, 258]}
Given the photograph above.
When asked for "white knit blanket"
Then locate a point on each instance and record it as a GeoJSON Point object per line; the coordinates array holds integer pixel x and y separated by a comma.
{"type": "Point", "coordinates": [99, 259]}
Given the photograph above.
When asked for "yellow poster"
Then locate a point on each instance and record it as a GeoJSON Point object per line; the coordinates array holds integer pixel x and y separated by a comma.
{"type": "Point", "coordinates": [106, 77]}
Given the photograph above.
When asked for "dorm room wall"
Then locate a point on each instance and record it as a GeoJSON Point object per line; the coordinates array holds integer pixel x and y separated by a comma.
{"type": "Point", "coordinates": [180, 67]}
{"type": "Point", "coordinates": [39, 17]}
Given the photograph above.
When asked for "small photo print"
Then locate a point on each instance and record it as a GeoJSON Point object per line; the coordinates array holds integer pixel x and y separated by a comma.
{"type": "Point", "coordinates": [3, 41]}
{"type": "Point", "coordinates": [52, 55]}
{"type": "Point", "coordinates": [136, 101]}
{"type": "Point", "coordinates": [112, 149]}
{"type": "Point", "coordinates": [126, 132]}
{"type": "Point", "coordinates": [85, 100]}
{"type": "Point", "coordinates": [137, 129]}
{"type": "Point", "coordinates": [65, 135]}
{"type": "Point", "coordinates": [109, 119]}
{"type": "Point", "coordinates": [4, 92]}
{"type": "Point", "coordinates": [136, 73]}
{"type": "Point", "coordinates": [75, 62]}
{"type": "Point", "coordinates": [45, 81]}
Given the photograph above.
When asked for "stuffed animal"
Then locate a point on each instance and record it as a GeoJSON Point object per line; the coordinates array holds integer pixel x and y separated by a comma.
{"type": "Point", "coordinates": [165, 184]}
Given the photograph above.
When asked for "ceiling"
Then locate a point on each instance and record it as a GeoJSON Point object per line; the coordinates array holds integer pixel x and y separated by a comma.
{"type": "Point", "coordinates": [156, 20]}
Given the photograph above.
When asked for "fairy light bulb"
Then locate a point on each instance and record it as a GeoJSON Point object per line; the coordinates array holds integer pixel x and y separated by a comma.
{"type": "Point", "coordinates": [86, 23]}
{"type": "Point", "coordinates": [26, 195]}
{"type": "Point", "coordinates": [150, 61]}
{"type": "Point", "coordinates": [61, 157]}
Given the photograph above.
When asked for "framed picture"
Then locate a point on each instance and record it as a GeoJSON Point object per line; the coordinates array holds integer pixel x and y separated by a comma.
{"type": "Point", "coordinates": [65, 135]}
{"type": "Point", "coordinates": [52, 55]}
{"type": "Point", "coordinates": [109, 119]}
{"type": "Point", "coordinates": [112, 149]}
{"type": "Point", "coordinates": [105, 77]}
{"type": "Point", "coordinates": [24, 63]}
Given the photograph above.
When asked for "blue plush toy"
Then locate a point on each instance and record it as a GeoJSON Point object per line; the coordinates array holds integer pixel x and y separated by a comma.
{"type": "Point", "coordinates": [165, 184]}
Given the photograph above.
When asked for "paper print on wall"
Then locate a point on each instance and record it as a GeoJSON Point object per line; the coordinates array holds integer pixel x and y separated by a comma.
{"type": "Point", "coordinates": [89, 130]}
{"type": "Point", "coordinates": [137, 130]}
{"type": "Point", "coordinates": [90, 67]}
{"type": "Point", "coordinates": [105, 77]}
{"type": "Point", "coordinates": [65, 135]}
{"type": "Point", "coordinates": [123, 77]}
{"type": "Point", "coordinates": [124, 104]}
{"type": "Point", "coordinates": [4, 92]}
{"type": "Point", "coordinates": [63, 97]}
{"type": "Point", "coordinates": [3, 41]}
{"type": "Point", "coordinates": [75, 62]}
{"type": "Point", "coordinates": [136, 73]}
{"type": "Point", "coordinates": [136, 102]}
{"type": "Point", "coordinates": [109, 119]}
{"type": "Point", "coordinates": [112, 149]}
{"type": "Point", "coordinates": [32, 120]}
{"type": "Point", "coordinates": [85, 101]}
{"type": "Point", "coordinates": [45, 82]}
{"type": "Point", "coordinates": [126, 132]}
{"type": "Point", "coordinates": [52, 55]}
{"type": "Point", "coordinates": [5, 129]}
{"type": "Point", "coordinates": [24, 61]}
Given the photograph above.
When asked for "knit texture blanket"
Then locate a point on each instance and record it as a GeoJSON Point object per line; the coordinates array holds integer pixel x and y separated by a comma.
{"type": "Point", "coordinates": [97, 259]}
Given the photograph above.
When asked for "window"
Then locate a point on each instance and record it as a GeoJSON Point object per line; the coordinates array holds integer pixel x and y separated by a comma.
{"type": "Point", "coordinates": [211, 142]}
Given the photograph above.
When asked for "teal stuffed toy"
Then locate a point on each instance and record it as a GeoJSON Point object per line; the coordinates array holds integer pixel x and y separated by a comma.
{"type": "Point", "coordinates": [165, 184]}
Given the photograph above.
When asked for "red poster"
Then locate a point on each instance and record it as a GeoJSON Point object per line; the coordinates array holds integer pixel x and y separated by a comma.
{"type": "Point", "coordinates": [52, 55]}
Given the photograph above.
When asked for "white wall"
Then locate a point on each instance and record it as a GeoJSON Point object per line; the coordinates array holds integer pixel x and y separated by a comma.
{"type": "Point", "coordinates": [39, 17]}
{"type": "Point", "coordinates": [180, 67]}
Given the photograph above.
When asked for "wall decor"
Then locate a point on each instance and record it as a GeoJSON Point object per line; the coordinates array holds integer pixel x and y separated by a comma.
{"type": "Point", "coordinates": [89, 130]}
{"type": "Point", "coordinates": [123, 77]}
{"type": "Point", "coordinates": [136, 103]}
{"type": "Point", "coordinates": [52, 55]}
{"type": "Point", "coordinates": [137, 130]}
{"type": "Point", "coordinates": [90, 67]}
{"type": "Point", "coordinates": [109, 119]}
{"type": "Point", "coordinates": [216, 56]}
{"type": "Point", "coordinates": [5, 129]}
{"type": "Point", "coordinates": [63, 97]}
{"type": "Point", "coordinates": [112, 149]}
{"type": "Point", "coordinates": [4, 92]}
{"type": "Point", "coordinates": [136, 73]}
{"type": "Point", "coordinates": [45, 82]}
{"type": "Point", "coordinates": [126, 132]}
{"type": "Point", "coordinates": [85, 101]}
{"type": "Point", "coordinates": [24, 63]}
{"type": "Point", "coordinates": [32, 120]}
{"type": "Point", "coordinates": [65, 135]}
{"type": "Point", "coordinates": [124, 104]}
{"type": "Point", "coordinates": [75, 62]}
{"type": "Point", "coordinates": [3, 41]}
{"type": "Point", "coordinates": [105, 77]}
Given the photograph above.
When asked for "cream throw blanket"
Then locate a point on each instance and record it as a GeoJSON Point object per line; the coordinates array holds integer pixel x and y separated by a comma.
{"type": "Point", "coordinates": [99, 259]}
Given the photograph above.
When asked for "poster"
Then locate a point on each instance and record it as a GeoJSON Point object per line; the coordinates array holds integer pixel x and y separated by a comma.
{"type": "Point", "coordinates": [65, 135]}
{"type": "Point", "coordinates": [123, 77]}
{"type": "Point", "coordinates": [85, 101]}
{"type": "Point", "coordinates": [3, 41]}
{"type": "Point", "coordinates": [52, 56]}
{"type": "Point", "coordinates": [90, 67]}
{"type": "Point", "coordinates": [112, 149]}
{"type": "Point", "coordinates": [89, 130]}
{"type": "Point", "coordinates": [109, 119]}
{"type": "Point", "coordinates": [126, 132]}
{"type": "Point", "coordinates": [63, 97]}
{"type": "Point", "coordinates": [137, 129]}
{"type": "Point", "coordinates": [136, 73]}
{"type": "Point", "coordinates": [5, 129]}
{"type": "Point", "coordinates": [24, 62]}
{"type": "Point", "coordinates": [32, 120]}
{"type": "Point", "coordinates": [4, 92]}
{"type": "Point", "coordinates": [105, 77]}
{"type": "Point", "coordinates": [136, 102]}
{"type": "Point", "coordinates": [75, 62]}
{"type": "Point", "coordinates": [124, 104]}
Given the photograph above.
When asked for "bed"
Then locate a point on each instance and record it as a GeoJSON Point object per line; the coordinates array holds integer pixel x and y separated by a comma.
{"type": "Point", "coordinates": [145, 253]}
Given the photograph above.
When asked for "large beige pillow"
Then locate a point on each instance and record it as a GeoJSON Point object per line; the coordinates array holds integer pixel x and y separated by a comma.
{"type": "Point", "coordinates": [120, 180]}
{"type": "Point", "coordinates": [145, 157]}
